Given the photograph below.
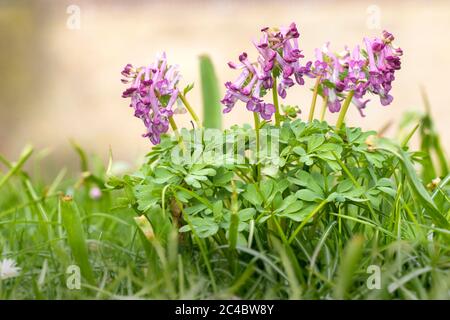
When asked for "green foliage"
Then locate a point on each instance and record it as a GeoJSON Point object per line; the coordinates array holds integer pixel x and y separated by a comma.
{"type": "Point", "coordinates": [310, 172]}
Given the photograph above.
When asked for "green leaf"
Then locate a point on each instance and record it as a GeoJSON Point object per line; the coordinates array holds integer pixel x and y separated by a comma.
{"type": "Point", "coordinates": [183, 196]}
{"type": "Point", "coordinates": [299, 150]}
{"type": "Point", "coordinates": [345, 186]}
{"type": "Point", "coordinates": [223, 177]}
{"type": "Point", "coordinates": [163, 176]}
{"type": "Point", "coordinates": [299, 214]}
{"type": "Point", "coordinates": [293, 207]}
{"type": "Point", "coordinates": [204, 172]}
{"type": "Point", "coordinates": [306, 180]}
{"type": "Point", "coordinates": [204, 227]}
{"type": "Point", "coordinates": [251, 195]}
{"type": "Point", "coordinates": [188, 88]}
{"type": "Point", "coordinates": [375, 158]}
{"type": "Point", "coordinates": [327, 147]}
{"type": "Point", "coordinates": [193, 210]}
{"type": "Point", "coordinates": [217, 209]}
{"type": "Point", "coordinates": [197, 175]}
{"type": "Point", "coordinates": [147, 196]}
{"type": "Point", "coordinates": [246, 214]}
{"type": "Point", "coordinates": [308, 195]}
{"type": "Point", "coordinates": [266, 187]}
{"type": "Point", "coordinates": [315, 141]}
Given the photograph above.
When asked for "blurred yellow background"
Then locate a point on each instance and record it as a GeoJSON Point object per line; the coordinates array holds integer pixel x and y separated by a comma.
{"type": "Point", "coordinates": [60, 61]}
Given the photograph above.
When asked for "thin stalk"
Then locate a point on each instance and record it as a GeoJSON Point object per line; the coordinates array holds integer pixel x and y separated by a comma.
{"type": "Point", "coordinates": [314, 99]}
{"type": "Point", "coordinates": [174, 127]}
{"type": "Point", "coordinates": [257, 124]}
{"type": "Point", "coordinates": [190, 110]}
{"type": "Point", "coordinates": [324, 108]}
{"type": "Point", "coordinates": [243, 177]}
{"type": "Point", "coordinates": [275, 102]}
{"type": "Point", "coordinates": [409, 136]}
{"type": "Point", "coordinates": [304, 222]}
{"type": "Point", "coordinates": [344, 109]}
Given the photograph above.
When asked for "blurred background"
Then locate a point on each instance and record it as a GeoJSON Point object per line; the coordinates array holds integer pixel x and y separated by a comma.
{"type": "Point", "coordinates": [60, 62]}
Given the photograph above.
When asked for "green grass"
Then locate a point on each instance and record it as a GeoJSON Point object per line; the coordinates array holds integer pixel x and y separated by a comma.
{"type": "Point", "coordinates": [46, 225]}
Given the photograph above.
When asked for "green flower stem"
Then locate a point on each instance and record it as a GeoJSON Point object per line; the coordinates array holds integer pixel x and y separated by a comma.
{"type": "Point", "coordinates": [275, 102]}
{"type": "Point", "coordinates": [174, 127]}
{"type": "Point", "coordinates": [344, 109]}
{"type": "Point", "coordinates": [190, 110]}
{"type": "Point", "coordinates": [257, 124]}
{"type": "Point", "coordinates": [314, 99]}
{"type": "Point", "coordinates": [324, 108]}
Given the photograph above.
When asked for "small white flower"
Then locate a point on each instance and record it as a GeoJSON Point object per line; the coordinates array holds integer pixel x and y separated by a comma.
{"type": "Point", "coordinates": [8, 269]}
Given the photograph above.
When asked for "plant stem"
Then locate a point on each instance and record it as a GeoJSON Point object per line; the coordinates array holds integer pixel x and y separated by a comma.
{"type": "Point", "coordinates": [174, 127]}
{"type": "Point", "coordinates": [324, 108]}
{"type": "Point", "coordinates": [304, 222]}
{"type": "Point", "coordinates": [344, 109]}
{"type": "Point", "coordinates": [190, 110]}
{"type": "Point", "coordinates": [314, 99]}
{"type": "Point", "coordinates": [275, 102]}
{"type": "Point", "coordinates": [257, 124]}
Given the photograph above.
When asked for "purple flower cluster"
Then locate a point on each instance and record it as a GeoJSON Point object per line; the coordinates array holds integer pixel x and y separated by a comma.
{"type": "Point", "coordinates": [153, 92]}
{"type": "Point", "coordinates": [384, 60]}
{"type": "Point", "coordinates": [278, 53]}
{"type": "Point", "coordinates": [360, 71]}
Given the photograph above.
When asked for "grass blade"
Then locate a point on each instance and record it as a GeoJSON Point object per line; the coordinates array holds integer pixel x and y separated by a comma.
{"type": "Point", "coordinates": [82, 154]}
{"type": "Point", "coordinates": [212, 113]}
{"type": "Point", "coordinates": [26, 153]}
{"type": "Point", "coordinates": [75, 236]}
{"type": "Point", "coordinates": [348, 266]}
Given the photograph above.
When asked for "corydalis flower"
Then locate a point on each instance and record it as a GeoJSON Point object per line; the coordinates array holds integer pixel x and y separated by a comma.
{"type": "Point", "coordinates": [8, 269]}
{"type": "Point", "coordinates": [153, 92]}
{"type": "Point", "coordinates": [278, 51]}
{"type": "Point", "coordinates": [247, 88]}
{"type": "Point", "coordinates": [358, 71]}
{"type": "Point", "coordinates": [329, 67]}
{"type": "Point", "coordinates": [383, 60]}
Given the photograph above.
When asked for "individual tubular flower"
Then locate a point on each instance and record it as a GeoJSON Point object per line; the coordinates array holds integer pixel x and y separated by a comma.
{"type": "Point", "coordinates": [329, 68]}
{"type": "Point", "coordinates": [153, 92]}
{"type": "Point", "coordinates": [278, 53]}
